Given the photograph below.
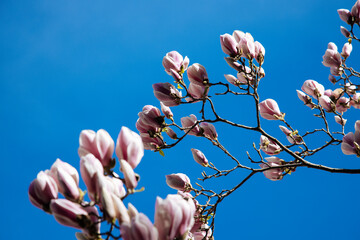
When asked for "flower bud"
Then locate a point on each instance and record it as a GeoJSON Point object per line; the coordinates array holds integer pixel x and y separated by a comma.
{"type": "Point", "coordinates": [42, 190]}
{"type": "Point", "coordinates": [199, 157]}
{"type": "Point", "coordinates": [169, 223]}
{"type": "Point", "coordinates": [90, 169]}
{"type": "Point", "coordinates": [197, 92]}
{"type": "Point", "coordinates": [129, 175]}
{"type": "Point", "coordinates": [189, 122]}
{"type": "Point", "coordinates": [332, 79]}
{"type": "Point", "coordinates": [228, 45]}
{"type": "Point", "coordinates": [197, 74]}
{"type": "Point", "coordinates": [313, 88]}
{"type": "Point", "coordinates": [332, 58]}
{"type": "Point", "coordinates": [273, 174]}
{"type": "Point", "coordinates": [259, 52]}
{"type": "Point", "coordinates": [345, 15]}
{"type": "Point", "coordinates": [178, 181]}
{"type": "Point", "coordinates": [167, 93]}
{"type": "Point", "coordinates": [129, 147]}
{"type": "Point", "coordinates": [342, 104]}
{"type": "Point", "coordinates": [346, 50]}
{"type": "Point", "coordinates": [151, 115]}
{"type": "Point", "coordinates": [171, 133]}
{"type": "Point", "coordinates": [151, 143]}
{"type": "Point", "coordinates": [174, 61]}
{"type": "Point", "coordinates": [140, 227]}
{"type": "Point", "coordinates": [345, 32]}
{"type": "Point", "coordinates": [292, 137]}
{"type": "Point", "coordinates": [355, 100]}
{"type": "Point", "coordinates": [232, 62]}
{"type": "Point", "coordinates": [269, 146]}
{"type": "Point", "coordinates": [326, 103]}
{"type": "Point", "coordinates": [67, 179]}
{"type": "Point", "coordinates": [209, 130]}
{"type": "Point", "coordinates": [340, 120]}
{"type": "Point", "coordinates": [269, 110]}
{"type": "Point", "coordinates": [355, 12]}
{"type": "Point", "coordinates": [306, 99]}
{"type": "Point", "coordinates": [166, 111]}
{"type": "Point", "coordinates": [100, 144]}
{"type": "Point", "coordinates": [70, 214]}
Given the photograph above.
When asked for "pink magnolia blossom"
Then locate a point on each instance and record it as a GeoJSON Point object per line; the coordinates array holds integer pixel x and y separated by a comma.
{"type": "Point", "coordinates": [326, 103]}
{"type": "Point", "coordinates": [129, 175]}
{"type": "Point", "coordinates": [232, 62]}
{"type": "Point", "coordinates": [189, 122]}
{"type": "Point", "coordinates": [228, 45]}
{"type": "Point", "coordinates": [42, 190]}
{"type": "Point", "coordinates": [151, 115]}
{"type": "Point", "coordinates": [259, 52]}
{"type": "Point", "coordinates": [203, 233]}
{"type": "Point", "coordinates": [90, 169]}
{"type": "Point", "coordinates": [67, 179]}
{"type": "Point", "coordinates": [345, 15]}
{"type": "Point", "coordinates": [238, 35]}
{"type": "Point", "coordinates": [100, 144]}
{"type": "Point", "coordinates": [355, 11]}
{"type": "Point", "coordinates": [342, 104]}
{"type": "Point", "coordinates": [292, 137]}
{"type": "Point", "coordinates": [345, 32]}
{"type": "Point", "coordinates": [246, 46]}
{"type": "Point", "coordinates": [209, 130]}
{"type": "Point", "coordinates": [269, 110]}
{"type": "Point", "coordinates": [174, 217]}
{"type": "Point", "coordinates": [167, 94]}
{"type": "Point", "coordinates": [129, 147]}
{"type": "Point", "coordinates": [355, 100]}
{"type": "Point", "coordinates": [70, 214]}
{"type": "Point", "coordinates": [166, 111]}
{"type": "Point", "coordinates": [346, 50]}
{"type": "Point", "coordinates": [336, 71]}
{"type": "Point", "coordinates": [145, 128]}
{"type": "Point", "coordinates": [306, 99]}
{"type": "Point", "coordinates": [197, 74]}
{"type": "Point", "coordinates": [151, 143]}
{"type": "Point", "coordinates": [197, 92]}
{"type": "Point", "coordinates": [178, 181]}
{"type": "Point", "coordinates": [351, 141]}
{"type": "Point", "coordinates": [273, 174]}
{"type": "Point", "coordinates": [313, 88]}
{"type": "Point", "coordinates": [332, 57]}
{"type": "Point", "coordinates": [171, 133]}
{"type": "Point", "coordinates": [340, 120]}
{"type": "Point", "coordinates": [139, 228]}
{"type": "Point", "coordinates": [174, 61]}
{"type": "Point", "coordinates": [269, 146]}
{"type": "Point", "coordinates": [199, 157]}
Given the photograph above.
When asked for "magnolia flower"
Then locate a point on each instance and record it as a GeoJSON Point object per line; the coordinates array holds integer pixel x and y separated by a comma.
{"type": "Point", "coordinates": [209, 130]}
{"type": "Point", "coordinates": [351, 141]}
{"type": "Point", "coordinates": [355, 11]}
{"type": "Point", "coordinates": [42, 190]}
{"type": "Point", "coordinates": [151, 115]}
{"type": "Point", "coordinates": [174, 217]}
{"type": "Point", "coordinates": [340, 120]}
{"type": "Point", "coordinates": [346, 50]}
{"type": "Point", "coordinates": [100, 144]}
{"type": "Point", "coordinates": [269, 146]}
{"type": "Point", "coordinates": [178, 181]}
{"type": "Point", "coordinates": [246, 46]}
{"type": "Point", "coordinates": [199, 157]}
{"type": "Point", "coordinates": [197, 74]}
{"type": "Point", "coordinates": [91, 169]}
{"type": "Point", "coordinates": [269, 110]}
{"type": "Point", "coordinates": [166, 111]}
{"type": "Point", "coordinates": [167, 94]}
{"type": "Point", "coordinates": [306, 99]}
{"type": "Point", "coordinates": [151, 143]}
{"type": "Point", "coordinates": [228, 44]}
{"type": "Point", "coordinates": [313, 88]}
{"type": "Point", "coordinates": [326, 103]}
{"type": "Point", "coordinates": [67, 179]}
{"type": "Point", "coordinates": [189, 122]}
{"type": "Point", "coordinates": [174, 61]}
{"type": "Point", "coordinates": [197, 92]}
{"type": "Point", "coordinates": [355, 100]}
{"type": "Point", "coordinates": [292, 137]}
{"type": "Point", "coordinates": [129, 174]}
{"type": "Point", "coordinates": [139, 228]}
{"type": "Point", "coordinates": [129, 147]}
{"type": "Point", "coordinates": [345, 32]}
{"type": "Point", "coordinates": [342, 104]}
{"type": "Point", "coordinates": [332, 57]}
{"type": "Point", "coordinates": [274, 174]}
{"type": "Point", "coordinates": [345, 15]}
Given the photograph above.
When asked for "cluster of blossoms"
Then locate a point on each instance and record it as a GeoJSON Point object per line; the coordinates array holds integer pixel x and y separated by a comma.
{"type": "Point", "coordinates": [180, 216]}
{"type": "Point", "coordinates": [174, 216]}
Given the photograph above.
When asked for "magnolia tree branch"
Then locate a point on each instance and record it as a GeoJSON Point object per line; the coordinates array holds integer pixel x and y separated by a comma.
{"type": "Point", "coordinates": [191, 213]}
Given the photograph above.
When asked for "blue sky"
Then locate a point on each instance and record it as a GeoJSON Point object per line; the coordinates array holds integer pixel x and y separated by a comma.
{"type": "Point", "coordinates": [73, 65]}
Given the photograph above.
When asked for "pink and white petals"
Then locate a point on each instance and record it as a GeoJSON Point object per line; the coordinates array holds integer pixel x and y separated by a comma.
{"type": "Point", "coordinates": [174, 217]}
{"type": "Point", "coordinates": [129, 175]}
{"type": "Point", "coordinates": [67, 179]}
{"type": "Point", "coordinates": [274, 174]}
{"type": "Point", "coordinates": [197, 74]}
{"type": "Point", "coordinates": [188, 123]}
{"type": "Point", "coordinates": [90, 169]}
{"type": "Point", "coordinates": [209, 130]}
{"type": "Point", "coordinates": [340, 120]}
{"type": "Point", "coordinates": [174, 61]}
{"type": "Point", "coordinates": [42, 190]}
{"type": "Point", "coordinates": [70, 214]}
{"type": "Point", "coordinates": [313, 88]}
{"type": "Point", "coordinates": [179, 181]}
{"type": "Point", "coordinates": [351, 142]}
{"type": "Point", "coordinates": [139, 228]}
{"type": "Point", "coordinates": [100, 144]}
{"type": "Point", "coordinates": [199, 157]}
{"type": "Point", "coordinates": [167, 94]}
{"type": "Point", "coordinates": [346, 50]}
{"type": "Point", "coordinates": [268, 146]}
{"type": "Point", "coordinates": [228, 44]}
{"type": "Point", "coordinates": [129, 147]}
{"type": "Point", "coordinates": [269, 109]}
{"type": "Point", "coordinates": [332, 57]}
{"type": "Point", "coordinates": [345, 15]}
